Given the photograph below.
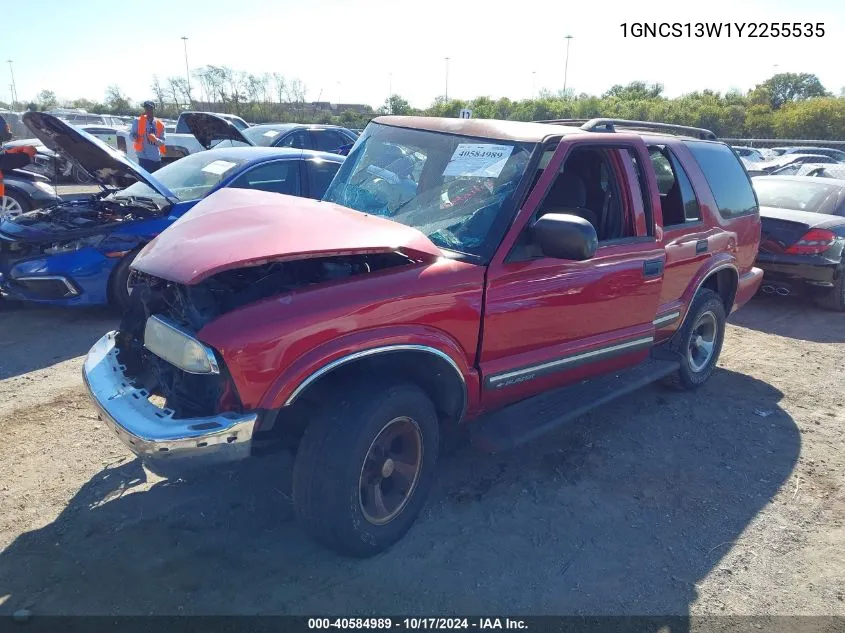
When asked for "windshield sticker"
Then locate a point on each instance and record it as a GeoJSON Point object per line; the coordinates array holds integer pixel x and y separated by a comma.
{"type": "Point", "coordinates": [271, 133]}
{"type": "Point", "coordinates": [478, 159]}
{"type": "Point", "coordinates": [218, 167]}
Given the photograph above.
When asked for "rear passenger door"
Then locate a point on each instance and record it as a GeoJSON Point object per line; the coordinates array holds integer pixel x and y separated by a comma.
{"type": "Point", "coordinates": [549, 322]}
{"type": "Point", "coordinates": [319, 174]}
{"type": "Point", "coordinates": [686, 239]}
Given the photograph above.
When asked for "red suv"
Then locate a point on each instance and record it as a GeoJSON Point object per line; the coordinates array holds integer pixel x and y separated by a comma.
{"type": "Point", "coordinates": [498, 275]}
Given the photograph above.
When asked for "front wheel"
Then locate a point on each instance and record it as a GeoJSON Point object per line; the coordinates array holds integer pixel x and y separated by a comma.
{"type": "Point", "coordinates": [365, 466]}
{"type": "Point", "coordinates": [699, 341]}
{"type": "Point", "coordinates": [120, 283]}
{"type": "Point", "coordinates": [81, 176]}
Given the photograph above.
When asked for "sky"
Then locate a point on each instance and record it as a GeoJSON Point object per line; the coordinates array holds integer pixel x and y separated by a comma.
{"type": "Point", "coordinates": [354, 51]}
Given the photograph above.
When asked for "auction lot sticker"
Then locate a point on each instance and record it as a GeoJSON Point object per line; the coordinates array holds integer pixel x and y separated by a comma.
{"type": "Point", "coordinates": [478, 159]}
{"type": "Point", "coordinates": [218, 167]}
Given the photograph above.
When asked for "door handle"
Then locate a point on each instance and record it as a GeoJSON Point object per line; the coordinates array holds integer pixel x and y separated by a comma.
{"type": "Point", "coordinates": [652, 267]}
{"type": "Point", "coordinates": [701, 246]}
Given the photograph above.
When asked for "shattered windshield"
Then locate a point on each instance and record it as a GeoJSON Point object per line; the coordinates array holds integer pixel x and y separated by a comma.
{"type": "Point", "coordinates": [457, 190]}
{"type": "Point", "coordinates": [189, 178]}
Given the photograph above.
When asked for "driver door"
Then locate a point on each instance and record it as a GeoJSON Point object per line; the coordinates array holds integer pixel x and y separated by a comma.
{"type": "Point", "coordinates": [549, 322]}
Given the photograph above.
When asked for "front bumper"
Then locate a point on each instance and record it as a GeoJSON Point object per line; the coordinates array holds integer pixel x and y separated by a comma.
{"type": "Point", "coordinates": [75, 278]}
{"type": "Point", "coordinates": [150, 431]}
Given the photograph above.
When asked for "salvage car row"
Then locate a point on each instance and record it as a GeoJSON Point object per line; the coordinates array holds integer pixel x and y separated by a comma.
{"type": "Point", "coordinates": [495, 276]}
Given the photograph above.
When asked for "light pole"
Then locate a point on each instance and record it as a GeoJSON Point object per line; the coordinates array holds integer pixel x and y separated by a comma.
{"type": "Point", "coordinates": [14, 88]}
{"type": "Point", "coordinates": [187, 70]}
{"type": "Point", "coordinates": [390, 93]}
{"type": "Point", "coordinates": [533, 84]}
{"type": "Point", "coordinates": [447, 79]}
{"type": "Point", "coordinates": [568, 39]}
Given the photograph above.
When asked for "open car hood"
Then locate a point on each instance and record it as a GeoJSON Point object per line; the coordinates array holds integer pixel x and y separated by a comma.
{"type": "Point", "coordinates": [236, 228]}
{"type": "Point", "coordinates": [210, 129]}
{"type": "Point", "coordinates": [108, 167]}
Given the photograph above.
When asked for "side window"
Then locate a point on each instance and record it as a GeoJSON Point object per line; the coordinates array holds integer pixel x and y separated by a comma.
{"type": "Point", "coordinates": [728, 180]}
{"type": "Point", "coordinates": [328, 140]}
{"type": "Point", "coordinates": [692, 211]}
{"type": "Point", "coordinates": [296, 139]}
{"type": "Point", "coordinates": [320, 175]}
{"type": "Point", "coordinates": [677, 197]}
{"type": "Point", "coordinates": [587, 186]}
{"type": "Point", "coordinates": [121, 143]}
{"type": "Point", "coordinates": [279, 177]}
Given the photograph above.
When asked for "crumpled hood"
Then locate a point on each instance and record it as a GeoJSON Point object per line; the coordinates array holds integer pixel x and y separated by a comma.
{"type": "Point", "coordinates": [235, 228]}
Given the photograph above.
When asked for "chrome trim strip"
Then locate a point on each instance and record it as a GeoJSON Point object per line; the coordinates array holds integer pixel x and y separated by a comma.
{"type": "Point", "coordinates": [212, 360]}
{"type": "Point", "coordinates": [372, 352]}
{"type": "Point", "coordinates": [666, 319]}
{"type": "Point", "coordinates": [595, 354]}
{"type": "Point", "coordinates": [70, 287]}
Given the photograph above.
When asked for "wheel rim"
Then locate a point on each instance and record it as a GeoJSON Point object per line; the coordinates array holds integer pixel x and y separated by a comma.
{"type": "Point", "coordinates": [702, 343]}
{"type": "Point", "coordinates": [9, 208]}
{"type": "Point", "coordinates": [390, 471]}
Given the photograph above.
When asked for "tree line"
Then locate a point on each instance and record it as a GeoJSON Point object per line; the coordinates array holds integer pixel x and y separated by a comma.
{"type": "Point", "coordinates": [787, 105]}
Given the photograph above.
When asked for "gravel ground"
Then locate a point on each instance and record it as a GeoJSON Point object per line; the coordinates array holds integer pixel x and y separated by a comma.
{"type": "Point", "coordinates": [728, 500]}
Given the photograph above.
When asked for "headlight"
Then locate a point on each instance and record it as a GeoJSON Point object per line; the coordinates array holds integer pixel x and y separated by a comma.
{"type": "Point", "coordinates": [74, 245]}
{"type": "Point", "coordinates": [178, 348]}
{"type": "Point", "coordinates": [45, 187]}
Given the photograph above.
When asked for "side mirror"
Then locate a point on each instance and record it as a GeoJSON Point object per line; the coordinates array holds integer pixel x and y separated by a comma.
{"type": "Point", "coordinates": [565, 236]}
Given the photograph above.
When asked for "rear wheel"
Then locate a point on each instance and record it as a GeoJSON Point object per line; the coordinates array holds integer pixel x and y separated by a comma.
{"type": "Point", "coordinates": [364, 468]}
{"type": "Point", "coordinates": [833, 298]}
{"type": "Point", "coordinates": [699, 341]}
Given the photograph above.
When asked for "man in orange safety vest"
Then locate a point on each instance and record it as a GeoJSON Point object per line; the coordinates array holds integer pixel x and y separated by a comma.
{"type": "Point", "coordinates": [148, 134]}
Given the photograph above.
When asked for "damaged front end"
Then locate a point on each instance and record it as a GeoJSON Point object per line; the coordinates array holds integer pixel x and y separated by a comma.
{"type": "Point", "coordinates": [191, 307]}
{"type": "Point", "coordinates": [49, 254]}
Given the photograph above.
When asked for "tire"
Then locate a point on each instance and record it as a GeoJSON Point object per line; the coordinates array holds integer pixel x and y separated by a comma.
{"type": "Point", "coordinates": [13, 204]}
{"type": "Point", "coordinates": [833, 298]}
{"type": "Point", "coordinates": [118, 282]}
{"type": "Point", "coordinates": [331, 468]}
{"type": "Point", "coordinates": [706, 315]}
{"type": "Point", "coordinates": [81, 176]}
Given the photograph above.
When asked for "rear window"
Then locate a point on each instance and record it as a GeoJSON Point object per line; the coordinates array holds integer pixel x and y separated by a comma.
{"type": "Point", "coordinates": [727, 179]}
{"type": "Point", "coordinates": [816, 196]}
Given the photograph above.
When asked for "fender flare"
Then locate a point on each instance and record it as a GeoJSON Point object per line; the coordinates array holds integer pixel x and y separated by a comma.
{"type": "Point", "coordinates": [705, 273]}
{"type": "Point", "coordinates": [295, 379]}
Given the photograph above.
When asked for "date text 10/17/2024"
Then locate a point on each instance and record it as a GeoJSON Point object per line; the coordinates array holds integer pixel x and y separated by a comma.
{"type": "Point", "coordinates": [723, 29]}
{"type": "Point", "coordinates": [417, 623]}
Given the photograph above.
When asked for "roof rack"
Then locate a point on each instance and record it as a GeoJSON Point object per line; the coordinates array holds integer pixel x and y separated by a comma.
{"type": "Point", "coordinates": [609, 125]}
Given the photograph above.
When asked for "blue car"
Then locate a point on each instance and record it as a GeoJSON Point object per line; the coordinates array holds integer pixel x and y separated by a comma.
{"type": "Point", "coordinates": [78, 253]}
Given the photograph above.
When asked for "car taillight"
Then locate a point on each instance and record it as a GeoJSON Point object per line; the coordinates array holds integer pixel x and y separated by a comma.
{"type": "Point", "coordinates": [813, 242]}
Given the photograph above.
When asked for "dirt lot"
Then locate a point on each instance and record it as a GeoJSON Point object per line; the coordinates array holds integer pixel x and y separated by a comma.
{"type": "Point", "coordinates": [727, 500]}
